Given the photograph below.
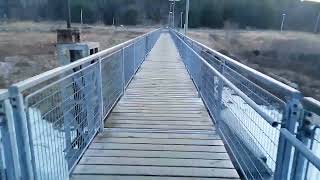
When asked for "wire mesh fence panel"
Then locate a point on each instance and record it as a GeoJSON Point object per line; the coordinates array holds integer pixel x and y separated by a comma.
{"type": "Point", "coordinates": [63, 117]}
{"type": "Point", "coordinates": [3, 133]}
{"type": "Point", "coordinates": [112, 80]}
{"type": "Point", "coordinates": [254, 131]}
{"type": "Point", "coordinates": [140, 49]}
{"type": "Point", "coordinates": [269, 103]}
{"type": "Point", "coordinates": [128, 63]}
{"type": "Point", "coordinates": [246, 127]}
{"type": "Point", "coordinates": [313, 173]}
{"type": "Point", "coordinates": [212, 60]}
{"type": "Point", "coordinates": [210, 91]}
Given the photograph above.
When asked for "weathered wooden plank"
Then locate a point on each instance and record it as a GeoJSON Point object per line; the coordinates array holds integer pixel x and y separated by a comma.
{"type": "Point", "coordinates": [142, 93]}
{"type": "Point", "coordinates": [157, 100]}
{"type": "Point", "coordinates": [166, 162]}
{"type": "Point", "coordinates": [113, 118]}
{"type": "Point", "coordinates": [157, 154]}
{"type": "Point", "coordinates": [145, 126]}
{"type": "Point", "coordinates": [158, 147]}
{"type": "Point", "coordinates": [126, 104]}
{"type": "Point", "coordinates": [158, 96]}
{"type": "Point", "coordinates": [158, 111]}
{"type": "Point", "coordinates": [198, 142]}
{"type": "Point", "coordinates": [123, 177]}
{"type": "Point", "coordinates": [158, 108]}
{"type": "Point", "coordinates": [160, 115]}
{"type": "Point", "coordinates": [156, 171]}
{"type": "Point", "coordinates": [148, 87]}
{"type": "Point", "coordinates": [148, 122]}
{"type": "Point", "coordinates": [160, 135]}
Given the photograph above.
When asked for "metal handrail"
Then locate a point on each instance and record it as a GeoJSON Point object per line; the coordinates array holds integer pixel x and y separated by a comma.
{"type": "Point", "coordinates": [4, 94]}
{"type": "Point", "coordinates": [265, 78]}
{"type": "Point", "coordinates": [70, 101]}
{"type": "Point", "coordinates": [30, 82]}
{"type": "Point", "coordinates": [272, 122]}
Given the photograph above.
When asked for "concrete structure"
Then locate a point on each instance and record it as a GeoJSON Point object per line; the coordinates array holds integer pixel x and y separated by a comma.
{"type": "Point", "coordinates": [68, 53]}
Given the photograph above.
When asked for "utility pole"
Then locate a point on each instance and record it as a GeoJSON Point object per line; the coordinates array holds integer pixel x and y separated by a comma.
{"type": "Point", "coordinates": [187, 18]}
{"type": "Point", "coordinates": [181, 20]}
{"type": "Point", "coordinates": [174, 6]}
{"type": "Point", "coordinates": [283, 20]}
{"type": "Point", "coordinates": [170, 12]}
{"type": "Point", "coordinates": [81, 19]}
{"type": "Point", "coordinates": [316, 26]}
{"type": "Point", "coordinates": [173, 11]}
{"type": "Point", "coordinates": [68, 15]}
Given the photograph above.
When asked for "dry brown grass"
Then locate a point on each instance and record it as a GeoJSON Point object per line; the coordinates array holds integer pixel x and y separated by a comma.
{"type": "Point", "coordinates": [291, 57]}
{"type": "Point", "coordinates": [28, 48]}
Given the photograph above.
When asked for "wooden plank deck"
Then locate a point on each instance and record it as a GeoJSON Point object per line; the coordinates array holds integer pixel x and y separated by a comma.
{"type": "Point", "coordinates": [160, 129]}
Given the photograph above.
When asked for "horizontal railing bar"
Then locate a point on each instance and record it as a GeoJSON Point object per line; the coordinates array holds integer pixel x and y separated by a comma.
{"type": "Point", "coordinates": [31, 82]}
{"type": "Point", "coordinates": [238, 91]}
{"type": "Point", "coordinates": [254, 72]}
{"type": "Point", "coordinates": [315, 160]}
{"type": "Point", "coordinates": [312, 106]}
{"type": "Point", "coordinates": [4, 94]}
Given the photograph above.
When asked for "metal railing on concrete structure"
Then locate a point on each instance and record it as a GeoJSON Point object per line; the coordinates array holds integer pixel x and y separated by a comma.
{"type": "Point", "coordinates": [49, 120]}
{"type": "Point", "coordinates": [263, 121]}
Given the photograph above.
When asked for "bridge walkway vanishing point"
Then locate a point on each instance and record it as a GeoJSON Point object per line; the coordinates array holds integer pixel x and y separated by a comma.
{"type": "Point", "coordinates": [160, 129]}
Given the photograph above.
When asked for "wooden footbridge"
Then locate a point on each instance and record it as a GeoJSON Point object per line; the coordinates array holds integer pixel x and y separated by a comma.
{"type": "Point", "coordinates": [159, 129]}
{"type": "Point", "coordinates": [160, 106]}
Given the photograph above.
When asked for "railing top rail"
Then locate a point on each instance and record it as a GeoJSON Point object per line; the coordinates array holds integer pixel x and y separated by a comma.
{"type": "Point", "coordinates": [30, 82]}
{"type": "Point", "coordinates": [266, 79]}
{"type": "Point", "coordinates": [4, 94]}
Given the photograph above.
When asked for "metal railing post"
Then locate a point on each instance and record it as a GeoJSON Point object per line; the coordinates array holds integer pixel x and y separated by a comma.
{"type": "Point", "coordinates": [285, 149]}
{"type": "Point", "coordinates": [146, 51]}
{"type": "Point", "coordinates": [134, 57]}
{"type": "Point", "coordinates": [220, 91]}
{"type": "Point", "coordinates": [123, 73]}
{"type": "Point", "coordinates": [9, 142]}
{"type": "Point", "coordinates": [89, 93]}
{"type": "Point", "coordinates": [305, 134]}
{"type": "Point", "coordinates": [23, 134]}
{"type": "Point", "coordinates": [101, 101]}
